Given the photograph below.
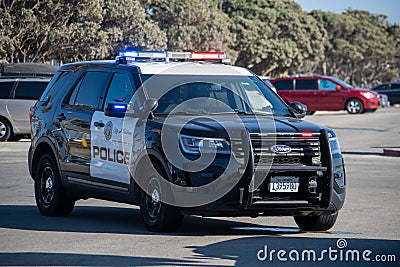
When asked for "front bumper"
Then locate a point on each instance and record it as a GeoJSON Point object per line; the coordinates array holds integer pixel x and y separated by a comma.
{"type": "Point", "coordinates": [328, 197]}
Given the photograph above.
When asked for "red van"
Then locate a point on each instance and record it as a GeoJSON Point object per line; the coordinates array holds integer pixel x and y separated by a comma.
{"type": "Point", "coordinates": [325, 93]}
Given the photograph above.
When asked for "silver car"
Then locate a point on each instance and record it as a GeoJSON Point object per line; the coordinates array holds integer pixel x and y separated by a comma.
{"type": "Point", "coordinates": [17, 95]}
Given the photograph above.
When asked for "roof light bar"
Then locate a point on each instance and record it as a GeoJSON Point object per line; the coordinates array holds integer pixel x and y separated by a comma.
{"type": "Point", "coordinates": [136, 55]}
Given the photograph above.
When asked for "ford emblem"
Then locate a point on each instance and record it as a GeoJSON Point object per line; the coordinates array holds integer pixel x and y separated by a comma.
{"type": "Point", "coordinates": [281, 149]}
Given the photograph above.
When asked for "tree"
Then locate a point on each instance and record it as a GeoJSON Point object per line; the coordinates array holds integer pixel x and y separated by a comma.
{"type": "Point", "coordinates": [274, 36]}
{"type": "Point", "coordinates": [38, 31]}
{"type": "Point", "coordinates": [361, 47]}
{"type": "Point", "coordinates": [193, 25]}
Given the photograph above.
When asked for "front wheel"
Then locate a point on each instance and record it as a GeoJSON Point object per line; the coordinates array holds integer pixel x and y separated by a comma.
{"type": "Point", "coordinates": [5, 130]}
{"type": "Point", "coordinates": [51, 197]}
{"type": "Point", "coordinates": [157, 216]}
{"type": "Point", "coordinates": [316, 222]}
{"type": "Point", "coordinates": [354, 106]}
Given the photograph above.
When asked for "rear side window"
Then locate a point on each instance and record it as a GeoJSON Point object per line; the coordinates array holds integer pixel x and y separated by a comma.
{"type": "Point", "coordinates": [30, 90]}
{"type": "Point", "coordinates": [395, 85]}
{"type": "Point", "coordinates": [5, 89]}
{"type": "Point", "coordinates": [307, 84]}
{"type": "Point", "coordinates": [284, 85]}
{"type": "Point", "coordinates": [88, 90]}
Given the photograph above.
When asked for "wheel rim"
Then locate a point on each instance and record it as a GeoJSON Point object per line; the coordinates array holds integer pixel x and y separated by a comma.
{"type": "Point", "coordinates": [354, 106]}
{"type": "Point", "coordinates": [153, 203]}
{"type": "Point", "coordinates": [47, 185]}
{"type": "Point", "coordinates": [3, 129]}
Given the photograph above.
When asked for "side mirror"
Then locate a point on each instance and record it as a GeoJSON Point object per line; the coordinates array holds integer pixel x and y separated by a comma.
{"type": "Point", "coordinates": [116, 109]}
{"type": "Point", "coordinates": [150, 104]}
{"type": "Point", "coordinates": [338, 88]}
{"type": "Point", "coordinates": [299, 108]}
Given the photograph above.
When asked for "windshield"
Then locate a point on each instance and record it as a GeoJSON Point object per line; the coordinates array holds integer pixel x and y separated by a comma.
{"type": "Point", "coordinates": [213, 94]}
{"type": "Point", "coordinates": [342, 83]}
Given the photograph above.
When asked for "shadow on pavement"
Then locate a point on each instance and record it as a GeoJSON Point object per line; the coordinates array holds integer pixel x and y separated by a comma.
{"type": "Point", "coordinates": [244, 251]}
{"type": "Point", "coordinates": [70, 259]}
{"type": "Point", "coordinates": [117, 220]}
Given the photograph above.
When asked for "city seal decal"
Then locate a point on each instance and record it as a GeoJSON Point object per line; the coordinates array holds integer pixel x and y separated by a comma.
{"type": "Point", "coordinates": [108, 128]}
{"type": "Point", "coordinates": [281, 149]}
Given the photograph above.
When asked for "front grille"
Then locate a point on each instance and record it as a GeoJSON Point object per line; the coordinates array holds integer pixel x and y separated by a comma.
{"type": "Point", "coordinates": [305, 151]}
{"type": "Point", "coordinates": [303, 161]}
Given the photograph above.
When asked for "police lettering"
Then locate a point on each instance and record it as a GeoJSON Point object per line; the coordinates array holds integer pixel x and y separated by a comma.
{"type": "Point", "coordinates": [112, 155]}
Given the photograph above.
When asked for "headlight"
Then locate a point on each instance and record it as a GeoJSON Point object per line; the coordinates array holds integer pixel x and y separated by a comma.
{"type": "Point", "coordinates": [368, 95]}
{"type": "Point", "coordinates": [197, 145]}
{"type": "Point", "coordinates": [334, 144]}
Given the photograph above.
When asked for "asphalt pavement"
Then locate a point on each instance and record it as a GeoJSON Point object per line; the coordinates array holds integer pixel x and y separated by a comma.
{"type": "Point", "coordinates": [101, 233]}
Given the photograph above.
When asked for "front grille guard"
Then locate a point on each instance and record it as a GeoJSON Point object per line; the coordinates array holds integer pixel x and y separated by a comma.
{"type": "Point", "coordinates": [248, 179]}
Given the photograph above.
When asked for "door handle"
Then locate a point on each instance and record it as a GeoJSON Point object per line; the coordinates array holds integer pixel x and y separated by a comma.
{"type": "Point", "coordinates": [98, 124]}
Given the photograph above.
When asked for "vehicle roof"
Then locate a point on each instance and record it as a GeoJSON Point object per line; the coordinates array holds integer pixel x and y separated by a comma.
{"type": "Point", "coordinates": [303, 77]}
{"type": "Point", "coordinates": [27, 69]}
{"type": "Point", "coordinates": [173, 68]}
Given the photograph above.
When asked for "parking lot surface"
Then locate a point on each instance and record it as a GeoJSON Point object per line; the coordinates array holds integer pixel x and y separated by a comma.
{"type": "Point", "coordinates": [100, 233]}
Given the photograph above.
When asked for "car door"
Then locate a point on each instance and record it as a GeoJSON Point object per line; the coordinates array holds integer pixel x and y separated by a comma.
{"type": "Point", "coordinates": [113, 137]}
{"type": "Point", "coordinates": [328, 98]}
{"type": "Point", "coordinates": [74, 117]}
{"type": "Point", "coordinates": [306, 92]}
{"type": "Point", "coordinates": [25, 95]}
{"type": "Point", "coordinates": [394, 93]}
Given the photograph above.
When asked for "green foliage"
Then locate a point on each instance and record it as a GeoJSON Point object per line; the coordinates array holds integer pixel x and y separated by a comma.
{"type": "Point", "coordinates": [193, 25]}
{"type": "Point", "coordinates": [270, 37]}
{"type": "Point", "coordinates": [274, 35]}
{"type": "Point", "coordinates": [362, 48]}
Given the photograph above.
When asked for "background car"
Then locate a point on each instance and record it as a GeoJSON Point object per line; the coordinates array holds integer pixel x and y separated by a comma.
{"type": "Point", "coordinates": [392, 90]}
{"type": "Point", "coordinates": [325, 93]}
{"type": "Point", "coordinates": [17, 95]}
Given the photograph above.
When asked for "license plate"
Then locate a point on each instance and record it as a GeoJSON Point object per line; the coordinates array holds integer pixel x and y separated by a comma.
{"type": "Point", "coordinates": [286, 184]}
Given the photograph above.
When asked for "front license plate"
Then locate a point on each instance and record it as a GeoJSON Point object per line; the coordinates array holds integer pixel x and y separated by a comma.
{"type": "Point", "coordinates": [286, 184]}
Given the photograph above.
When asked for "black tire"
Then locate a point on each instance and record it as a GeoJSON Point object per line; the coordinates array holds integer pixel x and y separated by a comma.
{"type": "Point", "coordinates": [373, 109]}
{"type": "Point", "coordinates": [354, 106]}
{"type": "Point", "coordinates": [5, 130]}
{"type": "Point", "coordinates": [51, 197]}
{"type": "Point", "coordinates": [157, 216]}
{"type": "Point", "coordinates": [316, 223]}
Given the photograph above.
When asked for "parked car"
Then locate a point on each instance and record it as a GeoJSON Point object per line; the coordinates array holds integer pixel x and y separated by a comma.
{"type": "Point", "coordinates": [326, 93]}
{"type": "Point", "coordinates": [17, 95]}
{"type": "Point", "coordinates": [392, 90]}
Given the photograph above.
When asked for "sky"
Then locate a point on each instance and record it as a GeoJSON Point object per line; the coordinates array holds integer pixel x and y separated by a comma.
{"type": "Point", "coordinates": [390, 8]}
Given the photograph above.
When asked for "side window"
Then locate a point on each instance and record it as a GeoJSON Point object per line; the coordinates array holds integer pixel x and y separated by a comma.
{"type": "Point", "coordinates": [5, 89]}
{"type": "Point", "coordinates": [311, 84]}
{"type": "Point", "coordinates": [327, 85]}
{"type": "Point", "coordinates": [88, 90]}
{"type": "Point", "coordinates": [284, 85]}
{"type": "Point", "coordinates": [395, 86]}
{"type": "Point", "coordinates": [30, 90]}
{"type": "Point", "coordinates": [120, 89]}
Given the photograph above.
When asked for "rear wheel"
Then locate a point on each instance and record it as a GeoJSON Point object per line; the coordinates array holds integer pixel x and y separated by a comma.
{"type": "Point", "coordinates": [51, 197]}
{"type": "Point", "coordinates": [5, 130]}
{"type": "Point", "coordinates": [316, 222]}
{"type": "Point", "coordinates": [354, 106]}
{"type": "Point", "coordinates": [157, 216]}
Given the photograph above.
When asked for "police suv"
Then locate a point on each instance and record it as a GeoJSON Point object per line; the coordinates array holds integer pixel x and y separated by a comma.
{"type": "Point", "coordinates": [181, 133]}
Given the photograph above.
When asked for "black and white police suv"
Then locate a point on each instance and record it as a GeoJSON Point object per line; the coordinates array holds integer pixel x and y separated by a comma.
{"type": "Point", "coordinates": [181, 133]}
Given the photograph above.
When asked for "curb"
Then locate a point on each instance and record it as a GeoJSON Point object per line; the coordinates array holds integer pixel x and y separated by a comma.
{"type": "Point", "coordinates": [392, 152]}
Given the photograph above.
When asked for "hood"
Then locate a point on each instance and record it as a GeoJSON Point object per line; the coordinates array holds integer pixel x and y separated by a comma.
{"type": "Point", "coordinates": [215, 126]}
